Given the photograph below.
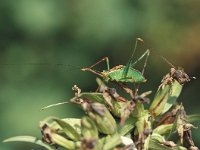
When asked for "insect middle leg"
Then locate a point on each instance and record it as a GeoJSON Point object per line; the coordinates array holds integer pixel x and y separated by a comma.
{"type": "Point", "coordinates": [126, 89]}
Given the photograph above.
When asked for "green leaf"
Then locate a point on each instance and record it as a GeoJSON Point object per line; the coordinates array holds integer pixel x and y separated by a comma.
{"type": "Point", "coordinates": [127, 127]}
{"type": "Point", "coordinates": [155, 145]}
{"type": "Point", "coordinates": [106, 124]}
{"type": "Point", "coordinates": [139, 110]}
{"type": "Point", "coordinates": [62, 141]}
{"type": "Point", "coordinates": [159, 101]}
{"type": "Point", "coordinates": [174, 94]}
{"type": "Point", "coordinates": [157, 137]}
{"type": "Point", "coordinates": [163, 129]}
{"type": "Point", "coordinates": [89, 129]}
{"type": "Point", "coordinates": [142, 123]}
{"type": "Point", "coordinates": [112, 141]}
{"type": "Point", "coordinates": [29, 139]}
{"type": "Point", "coordinates": [74, 122]}
{"type": "Point", "coordinates": [165, 98]}
{"type": "Point", "coordinates": [146, 143]}
{"type": "Point", "coordinates": [68, 129]}
{"type": "Point", "coordinates": [193, 118]}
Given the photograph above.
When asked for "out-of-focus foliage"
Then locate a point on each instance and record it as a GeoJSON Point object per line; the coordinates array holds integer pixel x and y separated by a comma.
{"type": "Point", "coordinates": [78, 33]}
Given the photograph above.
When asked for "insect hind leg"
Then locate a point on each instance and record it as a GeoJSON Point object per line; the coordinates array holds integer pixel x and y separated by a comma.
{"type": "Point", "coordinates": [97, 72]}
{"type": "Point", "coordinates": [100, 61]}
{"type": "Point", "coordinates": [146, 53]}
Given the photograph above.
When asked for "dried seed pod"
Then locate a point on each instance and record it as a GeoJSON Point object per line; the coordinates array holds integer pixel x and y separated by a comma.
{"type": "Point", "coordinates": [99, 114]}
{"type": "Point", "coordinates": [109, 142]}
{"type": "Point", "coordinates": [69, 131]}
{"type": "Point", "coordinates": [52, 137]}
{"type": "Point", "coordinates": [63, 142]}
{"type": "Point", "coordinates": [104, 120]}
{"type": "Point", "coordinates": [88, 144]}
{"type": "Point", "coordinates": [88, 128]}
{"type": "Point", "coordinates": [163, 129]}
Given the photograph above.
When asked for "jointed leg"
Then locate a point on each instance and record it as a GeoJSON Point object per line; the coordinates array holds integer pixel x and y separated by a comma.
{"type": "Point", "coordinates": [103, 59]}
{"type": "Point", "coordinates": [145, 62]}
{"type": "Point", "coordinates": [131, 59]}
{"type": "Point", "coordinates": [94, 71]}
{"type": "Point", "coordinates": [146, 53]}
{"type": "Point", "coordinates": [126, 89]}
{"type": "Point", "coordinates": [143, 69]}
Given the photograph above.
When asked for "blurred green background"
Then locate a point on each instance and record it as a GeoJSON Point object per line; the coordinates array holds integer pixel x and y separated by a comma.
{"type": "Point", "coordinates": [35, 35]}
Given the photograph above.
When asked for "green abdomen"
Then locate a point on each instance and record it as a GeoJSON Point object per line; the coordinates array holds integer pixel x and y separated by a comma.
{"type": "Point", "coordinates": [133, 76]}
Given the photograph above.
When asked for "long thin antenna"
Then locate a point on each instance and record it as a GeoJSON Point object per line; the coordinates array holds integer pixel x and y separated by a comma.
{"type": "Point", "coordinates": [167, 61]}
{"type": "Point", "coordinates": [40, 64]}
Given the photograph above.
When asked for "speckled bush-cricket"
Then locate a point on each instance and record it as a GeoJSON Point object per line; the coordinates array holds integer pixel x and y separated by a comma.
{"type": "Point", "coordinates": [121, 73]}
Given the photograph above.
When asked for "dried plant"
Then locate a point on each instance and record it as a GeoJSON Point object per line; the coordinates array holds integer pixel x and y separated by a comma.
{"type": "Point", "coordinates": [117, 122]}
